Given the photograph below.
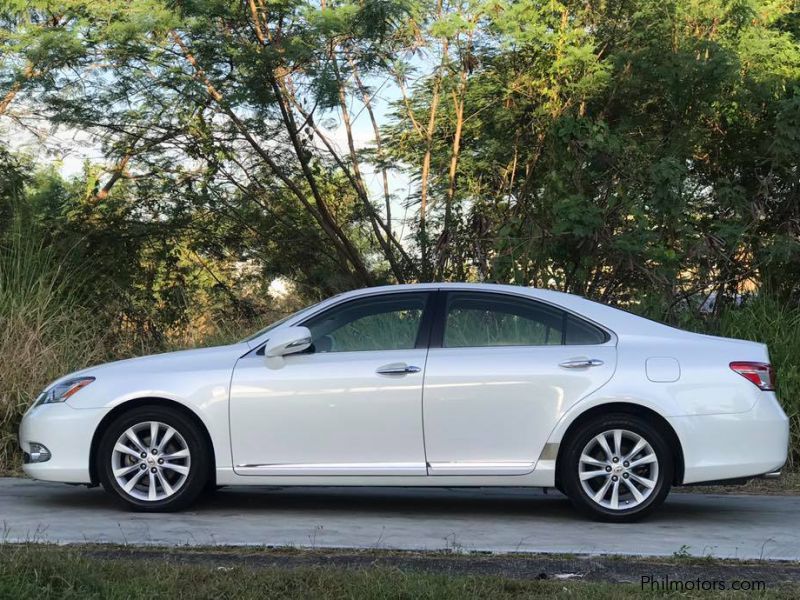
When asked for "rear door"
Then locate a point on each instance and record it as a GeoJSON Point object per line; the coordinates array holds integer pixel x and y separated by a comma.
{"type": "Point", "coordinates": [501, 370]}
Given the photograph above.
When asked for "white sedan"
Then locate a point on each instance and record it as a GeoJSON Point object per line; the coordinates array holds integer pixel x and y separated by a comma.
{"type": "Point", "coordinates": [423, 385]}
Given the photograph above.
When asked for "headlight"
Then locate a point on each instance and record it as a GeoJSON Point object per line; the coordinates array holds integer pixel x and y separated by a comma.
{"type": "Point", "coordinates": [62, 391]}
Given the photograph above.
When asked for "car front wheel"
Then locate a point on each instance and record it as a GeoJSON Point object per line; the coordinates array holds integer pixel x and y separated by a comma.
{"type": "Point", "coordinates": [617, 468]}
{"type": "Point", "coordinates": [154, 459]}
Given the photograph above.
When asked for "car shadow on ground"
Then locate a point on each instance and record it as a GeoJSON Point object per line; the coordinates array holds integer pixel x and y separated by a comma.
{"type": "Point", "coordinates": [435, 501]}
{"type": "Point", "coordinates": [401, 502]}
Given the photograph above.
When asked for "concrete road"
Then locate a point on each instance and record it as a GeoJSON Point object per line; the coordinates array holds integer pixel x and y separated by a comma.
{"type": "Point", "coordinates": [495, 520]}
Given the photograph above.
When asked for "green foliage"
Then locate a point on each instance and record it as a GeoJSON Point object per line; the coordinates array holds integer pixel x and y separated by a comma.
{"type": "Point", "coordinates": [610, 149]}
{"type": "Point", "coordinates": [622, 149]}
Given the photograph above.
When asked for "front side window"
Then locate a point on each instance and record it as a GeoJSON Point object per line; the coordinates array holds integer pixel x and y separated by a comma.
{"type": "Point", "coordinates": [274, 324]}
{"type": "Point", "coordinates": [484, 320]}
{"type": "Point", "coordinates": [390, 322]}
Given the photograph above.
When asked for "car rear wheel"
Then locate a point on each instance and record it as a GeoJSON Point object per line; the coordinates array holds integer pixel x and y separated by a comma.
{"type": "Point", "coordinates": [617, 468]}
{"type": "Point", "coordinates": [154, 459]}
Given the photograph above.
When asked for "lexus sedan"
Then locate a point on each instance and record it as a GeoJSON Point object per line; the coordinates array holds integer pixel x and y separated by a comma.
{"type": "Point", "coordinates": [423, 385]}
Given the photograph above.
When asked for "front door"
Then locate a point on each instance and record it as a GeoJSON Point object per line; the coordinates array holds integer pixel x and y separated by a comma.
{"type": "Point", "coordinates": [351, 405]}
{"type": "Point", "coordinates": [505, 369]}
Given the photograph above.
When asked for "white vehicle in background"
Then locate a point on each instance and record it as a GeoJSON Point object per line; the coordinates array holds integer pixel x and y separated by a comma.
{"type": "Point", "coordinates": [423, 385]}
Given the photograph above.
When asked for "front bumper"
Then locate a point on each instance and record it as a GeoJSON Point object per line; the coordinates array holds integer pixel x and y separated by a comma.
{"type": "Point", "coordinates": [67, 433]}
{"type": "Point", "coordinates": [734, 446]}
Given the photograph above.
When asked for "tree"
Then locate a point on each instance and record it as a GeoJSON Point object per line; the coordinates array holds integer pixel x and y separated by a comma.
{"type": "Point", "coordinates": [621, 150]}
{"type": "Point", "coordinates": [238, 89]}
{"type": "Point", "coordinates": [617, 150]}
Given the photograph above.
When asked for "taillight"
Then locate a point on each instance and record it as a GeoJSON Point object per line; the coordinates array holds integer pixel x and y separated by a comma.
{"type": "Point", "coordinates": [761, 374]}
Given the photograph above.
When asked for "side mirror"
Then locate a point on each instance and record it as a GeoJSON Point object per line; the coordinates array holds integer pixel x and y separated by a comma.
{"type": "Point", "coordinates": [287, 341]}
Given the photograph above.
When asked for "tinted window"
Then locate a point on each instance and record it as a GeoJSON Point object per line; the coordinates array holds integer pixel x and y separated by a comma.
{"type": "Point", "coordinates": [579, 332]}
{"type": "Point", "coordinates": [274, 324]}
{"type": "Point", "coordinates": [475, 320]}
{"type": "Point", "coordinates": [390, 322]}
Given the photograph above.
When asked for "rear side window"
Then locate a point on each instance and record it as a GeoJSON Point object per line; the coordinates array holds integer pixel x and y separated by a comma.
{"type": "Point", "coordinates": [478, 320]}
{"type": "Point", "coordinates": [485, 320]}
{"type": "Point", "coordinates": [580, 333]}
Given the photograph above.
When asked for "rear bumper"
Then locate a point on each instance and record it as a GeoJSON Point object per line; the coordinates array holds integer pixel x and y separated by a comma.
{"type": "Point", "coordinates": [734, 446]}
{"type": "Point", "coordinates": [67, 433]}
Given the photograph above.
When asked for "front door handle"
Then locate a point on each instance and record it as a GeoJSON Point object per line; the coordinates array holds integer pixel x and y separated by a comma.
{"type": "Point", "coordinates": [397, 369]}
{"type": "Point", "coordinates": [581, 363]}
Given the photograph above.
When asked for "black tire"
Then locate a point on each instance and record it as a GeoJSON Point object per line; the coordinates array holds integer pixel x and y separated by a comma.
{"type": "Point", "coordinates": [198, 470]}
{"type": "Point", "coordinates": [212, 488]}
{"type": "Point", "coordinates": [570, 467]}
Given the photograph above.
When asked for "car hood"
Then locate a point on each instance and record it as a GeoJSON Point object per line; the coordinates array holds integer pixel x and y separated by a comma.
{"type": "Point", "coordinates": [182, 360]}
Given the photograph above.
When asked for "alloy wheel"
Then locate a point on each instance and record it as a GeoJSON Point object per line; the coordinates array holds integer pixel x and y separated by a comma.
{"type": "Point", "coordinates": [618, 469]}
{"type": "Point", "coordinates": [151, 461]}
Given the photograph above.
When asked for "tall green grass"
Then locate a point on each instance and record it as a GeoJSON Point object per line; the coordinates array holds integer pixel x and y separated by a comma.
{"type": "Point", "coordinates": [44, 332]}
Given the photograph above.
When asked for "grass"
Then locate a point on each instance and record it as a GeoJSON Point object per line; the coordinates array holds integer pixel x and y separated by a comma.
{"type": "Point", "coordinates": [787, 485]}
{"type": "Point", "coordinates": [31, 571]}
{"type": "Point", "coordinates": [44, 333]}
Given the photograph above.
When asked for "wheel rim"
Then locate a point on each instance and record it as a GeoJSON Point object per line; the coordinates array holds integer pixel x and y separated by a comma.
{"type": "Point", "coordinates": [618, 469]}
{"type": "Point", "coordinates": [151, 461]}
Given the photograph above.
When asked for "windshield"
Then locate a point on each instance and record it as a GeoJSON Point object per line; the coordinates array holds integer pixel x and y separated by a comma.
{"type": "Point", "coordinates": [272, 326]}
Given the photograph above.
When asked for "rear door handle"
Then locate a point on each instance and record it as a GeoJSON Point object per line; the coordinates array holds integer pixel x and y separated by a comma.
{"type": "Point", "coordinates": [581, 363]}
{"type": "Point", "coordinates": [397, 369]}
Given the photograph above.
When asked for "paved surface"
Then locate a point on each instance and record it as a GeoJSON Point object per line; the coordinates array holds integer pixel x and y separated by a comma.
{"type": "Point", "coordinates": [495, 520]}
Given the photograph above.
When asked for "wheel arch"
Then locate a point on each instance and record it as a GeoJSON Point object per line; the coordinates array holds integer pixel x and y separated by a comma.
{"type": "Point", "coordinates": [148, 401]}
{"type": "Point", "coordinates": [648, 414]}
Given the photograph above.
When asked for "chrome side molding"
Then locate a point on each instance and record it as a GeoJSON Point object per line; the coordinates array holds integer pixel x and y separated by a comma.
{"type": "Point", "coordinates": [479, 468]}
{"type": "Point", "coordinates": [324, 469]}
